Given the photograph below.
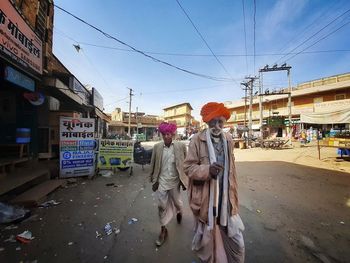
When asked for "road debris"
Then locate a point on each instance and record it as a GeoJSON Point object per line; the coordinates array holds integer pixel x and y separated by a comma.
{"type": "Point", "coordinates": [132, 220]}
{"type": "Point", "coordinates": [106, 174]}
{"type": "Point", "coordinates": [258, 211]}
{"type": "Point", "coordinates": [98, 235]}
{"type": "Point", "coordinates": [2, 249]}
{"type": "Point", "coordinates": [11, 239]}
{"type": "Point", "coordinates": [12, 214]}
{"type": "Point", "coordinates": [342, 222]}
{"type": "Point", "coordinates": [108, 229]}
{"type": "Point", "coordinates": [70, 243]}
{"type": "Point", "coordinates": [25, 237]}
{"type": "Point", "coordinates": [116, 231]}
{"type": "Point", "coordinates": [111, 184]}
{"type": "Point", "coordinates": [49, 203]}
{"type": "Point", "coordinates": [18, 248]}
{"type": "Point", "coordinates": [11, 227]}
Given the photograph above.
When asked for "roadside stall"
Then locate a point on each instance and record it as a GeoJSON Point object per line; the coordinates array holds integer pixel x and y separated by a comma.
{"type": "Point", "coordinates": [336, 140]}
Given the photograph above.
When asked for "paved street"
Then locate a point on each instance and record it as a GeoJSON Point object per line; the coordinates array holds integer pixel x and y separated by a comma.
{"type": "Point", "coordinates": [292, 213]}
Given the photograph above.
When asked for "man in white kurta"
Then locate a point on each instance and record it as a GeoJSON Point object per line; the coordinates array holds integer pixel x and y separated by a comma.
{"type": "Point", "coordinates": [167, 175]}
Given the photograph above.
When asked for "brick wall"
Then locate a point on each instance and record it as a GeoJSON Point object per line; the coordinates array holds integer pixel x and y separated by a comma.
{"type": "Point", "coordinates": [29, 10]}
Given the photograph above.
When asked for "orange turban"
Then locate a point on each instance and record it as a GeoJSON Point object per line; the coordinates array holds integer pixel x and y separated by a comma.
{"type": "Point", "coordinates": [212, 110]}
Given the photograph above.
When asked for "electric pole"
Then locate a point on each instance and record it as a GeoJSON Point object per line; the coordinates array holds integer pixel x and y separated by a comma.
{"type": "Point", "coordinates": [245, 103]}
{"type": "Point", "coordinates": [250, 86]}
{"type": "Point", "coordinates": [281, 68]}
{"type": "Point", "coordinates": [130, 98]}
{"type": "Point", "coordinates": [137, 121]}
{"type": "Point", "coordinates": [260, 105]}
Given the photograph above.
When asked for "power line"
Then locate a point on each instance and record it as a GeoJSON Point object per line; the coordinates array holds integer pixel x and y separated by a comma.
{"type": "Point", "coordinates": [141, 52]}
{"type": "Point", "coordinates": [205, 42]}
{"type": "Point", "coordinates": [245, 38]}
{"type": "Point", "coordinates": [324, 37]}
{"type": "Point", "coordinates": [202, 55]}
{"type": "Point", "coordinates": [347, 11]}
{"type": "Point", "coordinates": [116, 101]}
{"type": "Point", "coordinates": [181, 90]}
{"type": "Point", "coordinates": [306, 29]}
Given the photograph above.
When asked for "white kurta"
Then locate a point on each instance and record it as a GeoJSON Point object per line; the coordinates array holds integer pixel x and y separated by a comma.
{"type": "Point", "coordinates": [168, 194]}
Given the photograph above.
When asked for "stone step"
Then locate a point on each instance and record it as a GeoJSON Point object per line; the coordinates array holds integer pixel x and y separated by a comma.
{"type": "Point", "coordinates": [37, 194]}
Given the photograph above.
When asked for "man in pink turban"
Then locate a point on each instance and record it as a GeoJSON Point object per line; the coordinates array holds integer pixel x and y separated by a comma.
{"type": "Point", "coordinates": [212, 190]}
{"type": "Point", "coordinates": [167, 175]}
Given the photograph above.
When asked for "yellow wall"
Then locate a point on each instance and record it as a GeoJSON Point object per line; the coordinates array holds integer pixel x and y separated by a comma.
{"type": "Point", "coordinates": [179, 110]}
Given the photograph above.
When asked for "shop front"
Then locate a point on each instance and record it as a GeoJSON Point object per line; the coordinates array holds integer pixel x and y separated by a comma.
{"type": "Point", "coordinates": [20, 79]}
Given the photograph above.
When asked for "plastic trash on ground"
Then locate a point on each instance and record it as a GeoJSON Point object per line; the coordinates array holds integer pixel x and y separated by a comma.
{"type": "Point", "coordinates": [25, 237]}
{"type": "Point", "coordinates": [106, 173]}
{"type": "Point", "coordinates": [49, 203]}
{"type": "Point", "coordinates": [108, 229]}
{"type": "Point", "coordinates": [12, 214]}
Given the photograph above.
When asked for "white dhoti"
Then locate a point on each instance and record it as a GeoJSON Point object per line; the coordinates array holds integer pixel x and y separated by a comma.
{"type": "Point", "coordinates": [169, 204]}
{"type": "Point", "coordinates": [215, 246]}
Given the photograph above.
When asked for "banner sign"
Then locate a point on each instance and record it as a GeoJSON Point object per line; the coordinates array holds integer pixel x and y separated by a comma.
{"type": "Point", "coordinates": [77, 147]}
{"type": "Point", "coordinates": [334, 105]}
{"type": "Point", "coordinates": [16, 77]}
{"type": "Point", "coordinates": [17, 40]}
{"type": "Point", "coordinates": [97, 99]}
{"type": "Point", "coordinates": [81, 91]}
{"type": "Point", "coordinates": [115, 153]}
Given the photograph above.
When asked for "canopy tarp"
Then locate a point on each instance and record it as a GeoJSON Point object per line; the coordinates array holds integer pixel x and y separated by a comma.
{"type": "Point", "coordinates": [333, 117]}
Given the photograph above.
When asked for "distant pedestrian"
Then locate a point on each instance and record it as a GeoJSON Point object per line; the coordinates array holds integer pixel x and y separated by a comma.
{"type": "Point", "coordinates": [212, 190]}
{"type": "Point", "coordinates": [167, 175]}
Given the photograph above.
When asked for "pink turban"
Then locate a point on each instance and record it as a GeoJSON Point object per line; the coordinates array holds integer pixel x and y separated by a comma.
{"type": "Point", "coordinates": [212, 110]}
{"type": "Point", "coordinates": [166, 127]}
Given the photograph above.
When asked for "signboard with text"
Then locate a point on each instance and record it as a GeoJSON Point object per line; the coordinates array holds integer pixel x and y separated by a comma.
{"type": "Point", "coordinates": [333, 105]}
{"type": "Point", "coordinates": [77, 147]}
{"type": "Point", "coordinates": [18, 42]}
{"type": "Point", "coordinates": [115, 153]}
{"type": "Point", "coordinates": [81, 91]}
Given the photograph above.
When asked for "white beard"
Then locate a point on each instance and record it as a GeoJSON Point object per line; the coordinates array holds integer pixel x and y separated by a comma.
{"type": "Point", "coordinates": [215, 131]}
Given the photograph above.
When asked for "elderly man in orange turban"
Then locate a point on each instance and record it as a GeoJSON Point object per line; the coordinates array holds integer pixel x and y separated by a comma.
{"type": "Point", "coordinates": [212, 190]}
{"type": "Point", "coordinates": [167, 175]}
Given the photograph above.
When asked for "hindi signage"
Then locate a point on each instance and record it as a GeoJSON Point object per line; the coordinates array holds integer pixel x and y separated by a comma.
{"type": "Point", "coordinates": [17, 40]}
{"type": "Point", "coordinates": [77, 147]}
{"type": "Point", "coordinates": [115, 153]}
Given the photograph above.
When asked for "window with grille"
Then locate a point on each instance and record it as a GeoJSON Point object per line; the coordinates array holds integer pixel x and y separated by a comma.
{"type": "Point", "coordinates": [41, 17]}
{"type": "Point", "coordinates": [340, 97]}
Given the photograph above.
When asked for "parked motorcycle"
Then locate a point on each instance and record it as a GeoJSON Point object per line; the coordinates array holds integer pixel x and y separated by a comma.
{"type": "Point", "coordinates": [141, 155]}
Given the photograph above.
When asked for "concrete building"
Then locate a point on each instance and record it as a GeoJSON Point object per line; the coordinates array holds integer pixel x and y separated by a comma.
{"type": "Point", "coordinates": [140, 123]}
{"type": "Point", "coordinates": [37, 87]}
{"type": "Point", "coordinates": [181, 114]}
{"type": "Point", "coordinates": [26, 45]}
{"type": "Point", "coordinates": [318, 103]}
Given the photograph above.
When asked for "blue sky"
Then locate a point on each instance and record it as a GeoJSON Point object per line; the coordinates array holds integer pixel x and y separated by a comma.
{"type": "Point", "coordinates": [161, 26]}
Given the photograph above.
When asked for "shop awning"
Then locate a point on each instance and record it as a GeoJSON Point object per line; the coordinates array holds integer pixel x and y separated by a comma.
{"type": "Point", "coordinates": [333, 117]}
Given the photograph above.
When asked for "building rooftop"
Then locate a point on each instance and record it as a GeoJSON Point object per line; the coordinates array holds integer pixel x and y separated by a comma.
{"type": "Point", "coordinates": [340, 81]}
{"type": "Point", "coordinates": [177, 105]}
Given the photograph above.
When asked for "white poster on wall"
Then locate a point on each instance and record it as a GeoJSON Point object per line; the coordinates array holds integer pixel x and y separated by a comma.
{"type": "Point", "coordinates": [77, 147]}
